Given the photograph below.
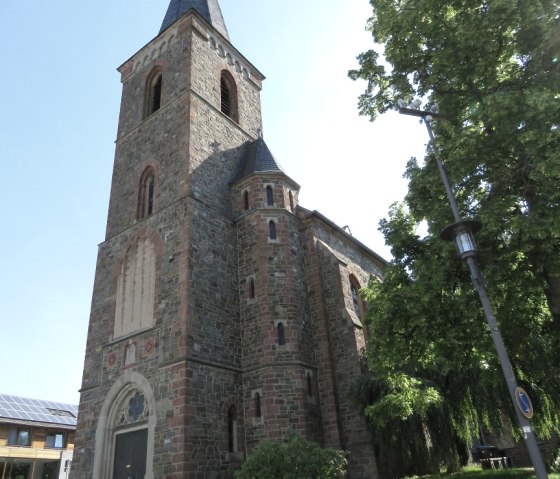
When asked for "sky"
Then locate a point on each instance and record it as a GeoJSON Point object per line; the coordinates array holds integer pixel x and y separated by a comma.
{"type": "Point", "coordinates": [61, 96]}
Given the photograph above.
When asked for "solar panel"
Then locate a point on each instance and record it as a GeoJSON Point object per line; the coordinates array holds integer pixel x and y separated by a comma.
{"type": "Point", "coordinates": [14, 407]}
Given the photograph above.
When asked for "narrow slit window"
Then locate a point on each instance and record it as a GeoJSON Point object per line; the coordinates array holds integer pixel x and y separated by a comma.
{"type": "Point", "coordinates": [269, 196]}
{"type": "Point", "coordinates": [272, 230]}
{"type": "Point", "coordinates": [258, 411]}
{"type": "Point", "coordinates": [281, 334]}
{"type": "Point", "coordinates": [246, 200]}
{"type": "Point", "coordinates": [291, 201]}
{"type": "Point", "coordinates": [150, 195]}
{"type": "Point", "coordinates": [252, 288]}
{"type": "Point", "coordinates": [232, 430]}
{"type": "Point", "coordinates": [309, 385]}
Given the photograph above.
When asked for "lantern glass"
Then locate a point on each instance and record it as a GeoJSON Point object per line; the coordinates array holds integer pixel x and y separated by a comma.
{"type": "Point", "coordinates": [464, 240]}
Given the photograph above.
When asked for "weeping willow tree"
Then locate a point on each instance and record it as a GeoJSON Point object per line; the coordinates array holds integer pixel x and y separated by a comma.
{"type": "Point", "coordinates": [493, 70]}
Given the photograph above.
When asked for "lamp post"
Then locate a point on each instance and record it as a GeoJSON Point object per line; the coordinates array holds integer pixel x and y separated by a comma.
{"type": "Point", "coordinates": [462, 233]}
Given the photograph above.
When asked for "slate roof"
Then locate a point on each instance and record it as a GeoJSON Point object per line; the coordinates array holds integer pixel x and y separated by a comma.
{"type": "Point", "coordinates": [257, 159]}
{"type": "Point", "coordinates": [16, 408]}
{"type": "Point", "coordinates": [208, 9]}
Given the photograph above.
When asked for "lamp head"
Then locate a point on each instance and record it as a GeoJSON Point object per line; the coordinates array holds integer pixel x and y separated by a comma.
{"type": "Point", "coordinates": [462, 233]}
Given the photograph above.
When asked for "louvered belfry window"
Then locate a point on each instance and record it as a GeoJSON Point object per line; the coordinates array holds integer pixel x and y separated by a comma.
{"type": "Point", "coordinates": [226, 97]}
{"type": "Point", "coordinates": [156, 94]}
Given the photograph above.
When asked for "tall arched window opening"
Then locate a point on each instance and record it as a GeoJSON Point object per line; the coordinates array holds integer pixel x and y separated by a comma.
{"type": "Point", "coordinates": [245, 200]}
{"type": "Point", "coordinates": [357, 302]}
{"type": "Point", "coordinates": [228, 95]}
{"type": "Point", "coordinates": [155, 86]}
{"type": "Point", "coordinates": [272, 230]}
{"type": "Point", "coordinates": [146, 194]}
{"type": "Point", "coordinates": [269, 196]}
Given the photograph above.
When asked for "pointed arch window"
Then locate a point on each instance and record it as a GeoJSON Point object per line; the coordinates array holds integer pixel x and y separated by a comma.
{"type": "Point", "coordinates": [228, 95]}
{"type": "Point", "coordinates": [357, 302]}
{"type": "Point", "coordinates": [146, 194]}
{"type": "Point", "coordinates": [281, 332]}
{"type": "Point", "coordinates": [272, 230]}
{"type": "Point", "coordinates": [269, 196]}
{"type": "Point", "coordinates": [155, 87]}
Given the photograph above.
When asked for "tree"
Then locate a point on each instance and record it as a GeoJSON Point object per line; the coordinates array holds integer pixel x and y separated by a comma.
{"type": "Point", "coordinates": [295, 459]}
{"type": "Point", "coordinates": [492, 68]}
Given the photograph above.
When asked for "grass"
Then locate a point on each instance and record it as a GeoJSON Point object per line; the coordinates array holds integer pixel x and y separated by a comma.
{"type": "Point", "coordinates": [477, 472]}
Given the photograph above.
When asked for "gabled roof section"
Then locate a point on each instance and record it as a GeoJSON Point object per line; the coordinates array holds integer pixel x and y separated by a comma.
{"type": "Point", "coordinates": [16, 408]}
{"type": "Point", "coordinates": [207, 9]}
{"type": "Point", "coordinates": [257, 159]}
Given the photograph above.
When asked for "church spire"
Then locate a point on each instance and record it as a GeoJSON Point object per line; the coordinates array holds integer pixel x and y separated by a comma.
{"type": "Point", "coordinates": [208, 9]}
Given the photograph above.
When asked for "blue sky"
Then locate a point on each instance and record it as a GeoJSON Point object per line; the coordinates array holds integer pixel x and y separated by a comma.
{"type": "Point", "coordinates": [61, 96]}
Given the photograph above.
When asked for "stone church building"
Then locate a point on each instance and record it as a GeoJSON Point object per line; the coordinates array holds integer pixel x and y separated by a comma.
{"type": "Point", "coordinates": [223, 312]}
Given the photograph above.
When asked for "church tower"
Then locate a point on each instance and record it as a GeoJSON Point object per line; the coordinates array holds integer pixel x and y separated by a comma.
{"type": "Point", "coordinates": [223, 312]}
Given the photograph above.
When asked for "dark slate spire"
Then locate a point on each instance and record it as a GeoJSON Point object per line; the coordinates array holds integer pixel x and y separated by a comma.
{"type": "Point", "coordinates": [208, 9]}
{"type": "Point", "coordinates": [257, 159]}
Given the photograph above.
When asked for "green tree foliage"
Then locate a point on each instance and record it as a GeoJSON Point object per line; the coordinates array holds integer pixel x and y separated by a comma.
{"type": "Point", "coordinates": [295, 459]}
{"type": "Point", "coordinates": [492, 68]}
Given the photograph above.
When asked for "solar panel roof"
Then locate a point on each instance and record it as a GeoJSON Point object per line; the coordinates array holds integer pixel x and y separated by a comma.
{"type": "Point", "coordinates": [37, 410]}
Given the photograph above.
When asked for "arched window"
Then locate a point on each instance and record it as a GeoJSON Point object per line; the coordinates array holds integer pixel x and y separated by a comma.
{"type": "Point", "coordinates": [155, 85]}
{"type": "Point", "coordinates": [281, 334]}
{"type": "Point", "coordinates": [356, 300]}
{"type": "Point", "coordinates": [272, 230]}
{"type": "Point", "coordinates": [228, 95]}
{"type": "Point", "coordinates": [146, 194]}
{"type": "Point", "coordinates": [232, 429]}
{"type": "Point", "coordinates": [252, 288]}
{"type": "Point", "coordinates": [258, 411]}
{"type": "Point", "coordinates": [269, 196]}
{"type": "Point", "coordinates": [245, 200]}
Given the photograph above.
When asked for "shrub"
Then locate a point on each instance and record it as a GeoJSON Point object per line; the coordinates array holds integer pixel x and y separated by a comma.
{"type": "Point", "coordinates": [295, 459]}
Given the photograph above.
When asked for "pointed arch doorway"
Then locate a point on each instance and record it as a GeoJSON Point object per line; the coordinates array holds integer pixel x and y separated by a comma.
{"type": "Point", "coordinates": [125, 431]}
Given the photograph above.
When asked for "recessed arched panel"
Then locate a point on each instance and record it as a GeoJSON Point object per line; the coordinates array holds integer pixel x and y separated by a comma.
{"type": "Point", "coordinates": [135, 294]}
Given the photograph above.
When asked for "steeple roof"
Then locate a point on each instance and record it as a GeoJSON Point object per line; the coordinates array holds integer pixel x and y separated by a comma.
{"type": "Point", "coordinates": [257, 159]}
{"type": "Point", "coordinates": [208, 9]}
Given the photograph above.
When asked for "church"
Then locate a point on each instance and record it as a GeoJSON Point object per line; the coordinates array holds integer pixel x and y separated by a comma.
{"type": "Point", "coordinates": [223, 311]}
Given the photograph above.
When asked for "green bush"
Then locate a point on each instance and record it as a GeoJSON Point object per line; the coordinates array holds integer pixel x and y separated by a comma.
{"type": "Point", "coordinates": [295, 459]}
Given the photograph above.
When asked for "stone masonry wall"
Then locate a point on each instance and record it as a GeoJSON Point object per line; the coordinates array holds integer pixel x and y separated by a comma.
{"type": "Point", "coordinates": [332, 258]}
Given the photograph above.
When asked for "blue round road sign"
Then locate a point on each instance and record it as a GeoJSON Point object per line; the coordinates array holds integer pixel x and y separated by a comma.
{"type": "Point", "coordinates": [524, 403]}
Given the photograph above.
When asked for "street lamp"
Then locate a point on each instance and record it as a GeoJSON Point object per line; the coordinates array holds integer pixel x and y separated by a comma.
{"type": "Point", "coordinates": [462, 233]}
